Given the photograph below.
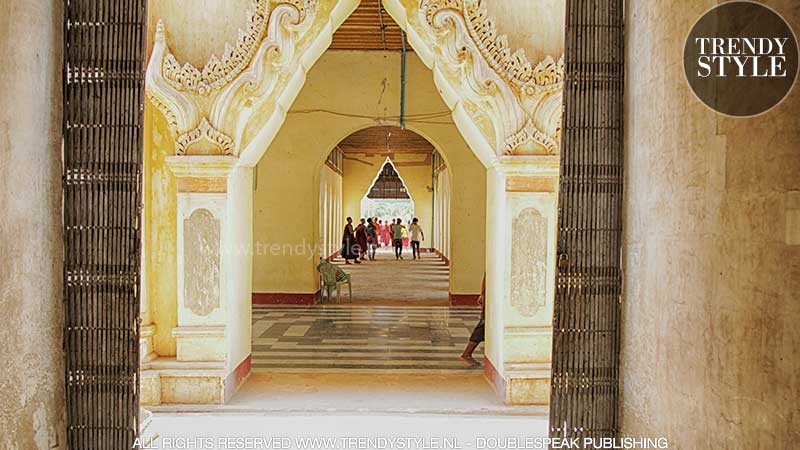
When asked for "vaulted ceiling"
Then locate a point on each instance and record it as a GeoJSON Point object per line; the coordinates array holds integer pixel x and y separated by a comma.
{"type": "Point", "coordinates": [384, 141]}
{"type": "Point", "coordinates": [369, 28]}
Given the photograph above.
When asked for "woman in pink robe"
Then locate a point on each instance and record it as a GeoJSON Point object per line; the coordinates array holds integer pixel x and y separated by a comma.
{"type": "Point", "coordinates": [386, 234]}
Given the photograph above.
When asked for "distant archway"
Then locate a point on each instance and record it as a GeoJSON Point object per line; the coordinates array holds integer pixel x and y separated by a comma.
{"type": "Point", "coordinates": [388, 196]}
{"type": "Point", "coordinates": [386, 172]}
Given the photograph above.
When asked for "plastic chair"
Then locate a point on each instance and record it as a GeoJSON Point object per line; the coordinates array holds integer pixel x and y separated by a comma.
{"type": "Point", "coordinates": [333, 278]}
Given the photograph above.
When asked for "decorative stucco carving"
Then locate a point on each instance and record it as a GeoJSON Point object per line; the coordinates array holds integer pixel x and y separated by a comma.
{"type": "Point", "coordinates": [220, 142]}
{"type": "Point", "coordinates": [522, 100]}
{"type": "Point", "coordinates": [201, 262]}
{"type": "Point", "coordinates": [513, 66]}
{"type": "Point", "coordinates": [172, 119]}
{"type": "Point", "coordinates": [215, 102]}
{"type": "Point", "coordinates": [528, 262]}
{"type": "Point", "coordinates": [219, 71]}
{"type": "Point", "coordinates": [515, 105]}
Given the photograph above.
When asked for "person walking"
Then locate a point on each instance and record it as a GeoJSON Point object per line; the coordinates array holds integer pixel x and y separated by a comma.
{"type": "Point", "coordinates": [372, 239]}
{"type": "Point", "coordinates": [377, 224]}
{"type": "Point", "coordinates": [397, 237]}
{"type": "Point", "coordinates": [417, 236]}
{"type": "Point", "coordinates": [361, 239]}
{"type": "Point", "coordinates": [386, 233]}
{"type": "Point", "coordinates": [349, 250]}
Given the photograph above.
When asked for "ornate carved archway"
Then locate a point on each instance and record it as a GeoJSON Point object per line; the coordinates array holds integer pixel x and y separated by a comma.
{"type": "Point", "coordinates": [483, 79]}
{"type": "Point", "coordinates": [503, 103]}
{"type": "Point", "coordinates": [222, 118]}
{"type": "Point", "coordinates": [237, 102]}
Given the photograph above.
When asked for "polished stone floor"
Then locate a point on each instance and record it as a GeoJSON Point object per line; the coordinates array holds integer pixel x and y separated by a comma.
{"type": "Point", "coordinates": [386, 364]}
{"type": "Point", "coordinates": [362, 339]}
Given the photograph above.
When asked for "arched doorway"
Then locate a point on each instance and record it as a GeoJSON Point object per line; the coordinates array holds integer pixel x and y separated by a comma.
{"type": "Point", "coordinates": [502, 186]}
{"type": "Point", "coordinates": [387, 174]}
{"type": "Point", "coordinates": [208, 176]}
{"type": "Point", "coordinates": [400, 319]}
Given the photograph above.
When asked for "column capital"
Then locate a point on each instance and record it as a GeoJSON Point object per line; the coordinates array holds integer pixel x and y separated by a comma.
{"type": "Point", "coordinates": [537, 173]}
{"type": "Point", "coordinates": [528, 165]}
{"type": "Point", "coordinates": [201, 166]}
{"type": "Point", "coordinates": [202, 174]}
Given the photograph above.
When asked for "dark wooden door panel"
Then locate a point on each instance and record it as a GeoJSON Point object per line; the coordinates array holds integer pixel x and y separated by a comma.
{"type": "Point", "coordinates": [102, 158]}
{"type": "Point", "coordinates": [587, 308]}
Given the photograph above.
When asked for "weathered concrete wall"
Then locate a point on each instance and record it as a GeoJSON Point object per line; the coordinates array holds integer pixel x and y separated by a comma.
{"type": "Point", "coordinates": [32, 370]}
{"type": "Point", "coordinates": [712, 304]}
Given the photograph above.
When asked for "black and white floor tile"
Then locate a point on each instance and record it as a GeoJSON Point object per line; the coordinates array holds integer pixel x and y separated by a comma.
{"type": "Point", "coordinates": [363, 339]}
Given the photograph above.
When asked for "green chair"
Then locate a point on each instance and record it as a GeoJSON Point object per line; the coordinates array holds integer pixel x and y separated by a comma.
{"type": "Point", "coordinates": [333, 277]}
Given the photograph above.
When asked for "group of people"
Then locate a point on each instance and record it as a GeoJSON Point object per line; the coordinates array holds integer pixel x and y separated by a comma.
{"type": "Point", "coordinates": [361, 241]}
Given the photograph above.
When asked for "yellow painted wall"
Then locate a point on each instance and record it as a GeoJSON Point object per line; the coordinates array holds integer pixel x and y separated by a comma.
{"type": "Point", "coordinates": [160, 238]}
{"type": "Point", "coordinates": [285, 217]}
{"type": "Point", "coordinates": [353, 88]}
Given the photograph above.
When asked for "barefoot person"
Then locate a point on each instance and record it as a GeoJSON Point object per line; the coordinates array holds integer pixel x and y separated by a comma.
{"type": "Point", "coordinates": [479, 333]}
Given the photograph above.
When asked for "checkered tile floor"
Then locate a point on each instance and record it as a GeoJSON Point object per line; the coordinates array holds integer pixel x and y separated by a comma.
{"type": "Point", "coordinates": [363, 339]}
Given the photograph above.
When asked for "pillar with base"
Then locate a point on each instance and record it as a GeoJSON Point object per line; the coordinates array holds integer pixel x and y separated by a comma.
{"type": "Point", "coordinates": [521, 253]}
{"type": "Point", "coordinates": [213, 302]}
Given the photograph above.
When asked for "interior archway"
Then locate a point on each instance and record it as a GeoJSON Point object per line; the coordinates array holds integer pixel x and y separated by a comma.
{"type": "Point", "coordinates": [392, 165]}
{"type": "Point", "coordinates": [407, 291]}
{"type": "Point", "coordinates": [294, 139]}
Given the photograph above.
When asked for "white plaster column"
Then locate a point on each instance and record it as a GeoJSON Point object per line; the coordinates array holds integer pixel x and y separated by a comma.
{"type": "Point", "coordinates": [441, 239]}
{"type": "Point", "coordinates": [214, 271]}
{"type": "Point", "coordinates": [448, 225]}
{"type": "Point", "coordinates": [202, 236]}
{"type": "Point", "coordinates": [521, 252]}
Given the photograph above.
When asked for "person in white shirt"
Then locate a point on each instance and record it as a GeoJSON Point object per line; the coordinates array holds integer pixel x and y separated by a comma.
{"type": "Point", "coordinates": [417, 235]}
